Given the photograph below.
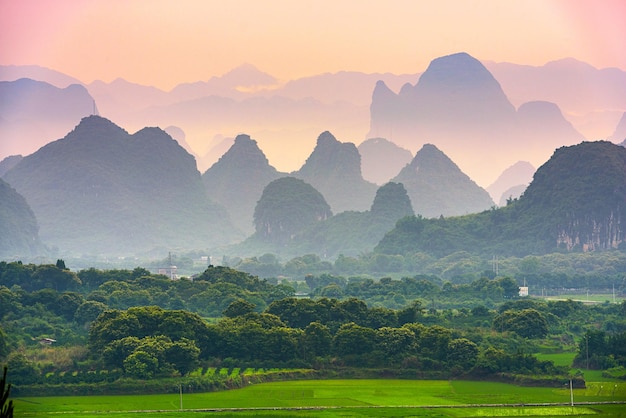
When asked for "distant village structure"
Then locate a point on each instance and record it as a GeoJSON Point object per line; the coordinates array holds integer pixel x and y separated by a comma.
{"type": "Point", "coordinates": [171, 271]}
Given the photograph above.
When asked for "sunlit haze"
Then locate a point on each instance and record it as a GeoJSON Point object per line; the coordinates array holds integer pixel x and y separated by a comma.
{"type": "Point", "coordinates": [163, 43]}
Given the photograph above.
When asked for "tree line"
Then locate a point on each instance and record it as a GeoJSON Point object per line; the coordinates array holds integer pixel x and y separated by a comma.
{"type": "Point", "coordinates": [145, 325]}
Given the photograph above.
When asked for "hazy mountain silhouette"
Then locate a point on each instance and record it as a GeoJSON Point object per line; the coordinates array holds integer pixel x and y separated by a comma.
{"type": "Point", "coordinates": [619, 135]}
{"type": "Point", "coordinates": [590, 97]}
{"type": "Point", "coordinates": [36, 72]}
{"type": "Point", "coordinates": [458, 105]}
{"type": "Point", "coordinates": [348, 233]}
{"type": "Point", "coordinates": [381, 159]}
{"type": "Point", "coordinates": [33, 113]}
{"type": "Point", "coordinates": [237, 180]}
{"type": "Point", "coordinates": [514, 192]}
{"type": "Point", "coordinates": [353, 233]}
{"type": "Point", "coordinates": [235, 84]}
{"type": "Point", "coordinates": [576, 202]}
{"type": "Point", "coordinates": [120, 99]}
{"type": "Point", "coordinates": [8, 163]}
{"type": "Point", "coordinates": [217, 147]}
{"type": "Point", "coordinates": [542, 124]}
{"type": "Point", "coordinates": [520, 173]}
{"type": "Point", "coordinates": [20, 233]}
{"type": "Point", "coordinates": [344, 86]}
{"type": "Point", "coordinates": [285, 119]}
{"type": "Point", "coordinates": [438, 187]}
{"type": "Point", "coordinates": [287, 207]}
{"type": "Point", "coordinates": [334, 169]}
{"type": "Point", "coordinates": [100, 190]}
{"type": "Point", "coordinates": [179, 136]}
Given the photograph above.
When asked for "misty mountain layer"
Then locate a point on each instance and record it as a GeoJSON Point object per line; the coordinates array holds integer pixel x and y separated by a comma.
{"type": "Point", "coordinates": [334, 169]}
{"type": "Point", "coordinates": [20, 232]}
{"type": "Point", "coordinates": [237, 180]}
{"type": "Point", "coordinates": [576, 202]}
{"type": "Point", "coordinates": [460, 107]}
{"type": "Point", "coordinates": [438, 187]}
{"type": "Point", "coordinates": [100, 190]}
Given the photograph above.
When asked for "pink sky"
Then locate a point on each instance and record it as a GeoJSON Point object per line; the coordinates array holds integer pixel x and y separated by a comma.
{"type": "Point", "coordinates": [163, 43]}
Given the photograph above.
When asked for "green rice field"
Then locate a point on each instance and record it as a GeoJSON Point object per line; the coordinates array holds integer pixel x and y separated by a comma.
{"type": "Point", "coordinates": [591, 298]}
{"type": "Point", "coordinates": [346, 398]}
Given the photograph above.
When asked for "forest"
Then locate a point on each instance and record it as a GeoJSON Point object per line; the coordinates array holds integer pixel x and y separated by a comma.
{"type": "Point", "coordinates": [62, 327]}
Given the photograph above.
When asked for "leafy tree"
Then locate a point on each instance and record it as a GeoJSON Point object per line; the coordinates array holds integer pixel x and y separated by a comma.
{"type": "Point", "coordinates": [51, 276]}
{"type": "Point", "coordinates": [317, 339]}
{"type": "Point", "coordinates": [141, 365]}
{"type": "Point", "coordinates": [183, 355]}
{"type": "Point", "coordinates": [6, 405]}
{"type": "Point", "coordinates": [379, 317]}
{"type": "Point", "coordinates": [353, 339]}
{"type": "Point", "coordinates": [528, 323]}
{"type": "Point", "coordinates": [88, 311]}
{"type": "Point", "coordinates": [462, 353]}
{"type": "Point", "coordinates": [4, 346]}
{"type": "Point", "coordinates": [117, 351]}
{"type": "Point", "coordinates": [510, 287]}
{"type": "Point", "coordinates": [239, 307]}
{"type": "Point", "coordinates": [23, 371]}
{"type": "Point", "coordinates": [411, 313]}
{"type": "Point", "coordinates": [433, 342]}
{"type": "Point", "coordinates": [395, 342]}
{"type": "Point", "coordinates": [297, 313]}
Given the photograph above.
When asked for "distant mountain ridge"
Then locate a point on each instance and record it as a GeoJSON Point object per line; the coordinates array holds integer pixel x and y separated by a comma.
{"type": "Point", "coordinates": [591, 98]}
{"type": "Point", "coordinates": [576, 202]}
{"type": "Point", "coordinates": [381, 160]}
{"type": "Point", "coordinates": [334, 169]}
{"type": "Point", "coordinates": [339, 102]}
{"type": "Point", "coordinates": [437, 187]}
{"type": "Point", "coordinates": [20, 232]}
{"type": "Point", "coordinates": [519, 174]}
{"type": "Point", "coordinates": [459, 106]}
{"type": "Point", "coordinates": [237, 180]}
{"type": "Point", "coordinates": [292, 219]}
{"type": "Point", "coordinates": [100, 190]}
{"type": "Point", "coordinates": [33, 113]}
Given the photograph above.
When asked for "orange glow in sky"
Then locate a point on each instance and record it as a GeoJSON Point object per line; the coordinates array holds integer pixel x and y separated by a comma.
{"type": "Point", "coordinates": [164, 43]}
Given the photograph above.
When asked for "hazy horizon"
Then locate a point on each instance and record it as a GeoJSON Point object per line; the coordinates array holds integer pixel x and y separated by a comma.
{"type": "Point", "coordinates": [162, 44]}
{"type": "Point", "coordinates": [165, 44]}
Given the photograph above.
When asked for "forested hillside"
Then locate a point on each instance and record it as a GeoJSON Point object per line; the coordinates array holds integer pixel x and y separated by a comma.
{"type": "Point", "coordinates": [101, 190]}
{"type": "Point", "coordinates": [20, 232]}
{"type": "Point", "coordinates": [576, 202]}
{"type": "Point", "coordinates": [59, 326]}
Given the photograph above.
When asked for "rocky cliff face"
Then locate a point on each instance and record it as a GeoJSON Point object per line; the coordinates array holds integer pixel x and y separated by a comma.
{"type": "Point", "coordinates": [579, 195]}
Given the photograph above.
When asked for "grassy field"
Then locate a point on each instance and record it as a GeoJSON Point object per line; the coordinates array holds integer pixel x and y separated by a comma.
{"type": "Point", "coordinates": [325, 398]}
{"type": "Point", "coordinates": [591, 298]}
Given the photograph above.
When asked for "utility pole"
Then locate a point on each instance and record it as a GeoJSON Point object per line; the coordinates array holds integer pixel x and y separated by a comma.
{"type": "Point", "coordinates": [180, 390]}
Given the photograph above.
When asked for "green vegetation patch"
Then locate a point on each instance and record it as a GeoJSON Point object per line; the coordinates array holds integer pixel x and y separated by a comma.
{"type": "Point", "coordinates": [359, 394]}
{"type": "Point", "coordinates": [523, 411]}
